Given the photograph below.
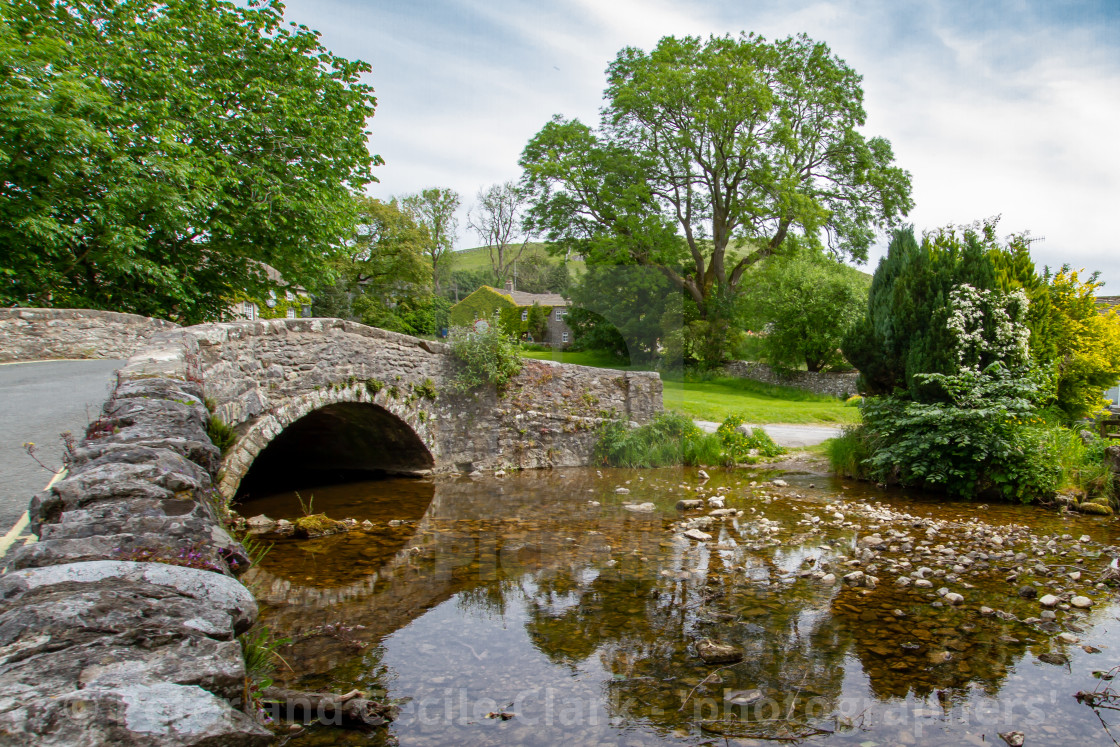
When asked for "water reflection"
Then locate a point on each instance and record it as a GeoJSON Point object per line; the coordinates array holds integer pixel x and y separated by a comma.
{"type": "Point", "coordinates": [542, 594]}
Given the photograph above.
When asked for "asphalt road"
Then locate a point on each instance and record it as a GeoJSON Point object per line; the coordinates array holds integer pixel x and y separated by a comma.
{"type": "Point", "coordinates": [790, 436]}
{"type": "Point", "coordinates": [38, 401]}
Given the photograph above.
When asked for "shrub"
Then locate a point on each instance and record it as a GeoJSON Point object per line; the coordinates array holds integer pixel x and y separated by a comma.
{"type": "Point", "coordinates": [848, 452]}
{"type": "Point", "coordinates": [669, 439]}
{"type": "Point", "coordinates": [1086, 467]}
{"type": "Point", "coordinates": [487, 356]}
{"type": "Point", "coordinates": [739, 447]}
{"type": "Point", "coordinates": [986, 439]}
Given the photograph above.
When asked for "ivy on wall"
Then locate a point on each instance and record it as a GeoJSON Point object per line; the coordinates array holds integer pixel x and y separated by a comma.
{"type": "Point", "coordinates": [535, 323]}
{"type": "Point", "coordinates": [279, 311]}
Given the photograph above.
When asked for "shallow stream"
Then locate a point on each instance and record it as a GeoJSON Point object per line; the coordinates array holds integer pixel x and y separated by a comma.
{"type": "Point", "coordinates": [538, 609]}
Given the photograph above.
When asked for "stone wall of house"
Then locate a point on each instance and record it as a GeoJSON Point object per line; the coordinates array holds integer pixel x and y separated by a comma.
{"type": "Point", "coordinates": [99, 645]}
{"type": "Point", "coordinates": [835, 384]}
{"type": "Point", "coordinates": [42, 334]}
{"type": "Point", "coordinates": [263, 376]}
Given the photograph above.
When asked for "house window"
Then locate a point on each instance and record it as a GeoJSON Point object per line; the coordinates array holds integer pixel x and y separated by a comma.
{"type": "Point", "coordinates": [291, 312]}
{"type": "Point", "coordinates": [524, 315]}
{"type": "Point", "coordinates": [249, 310]}
{"type": "Point", "coordinates": [564, 337]}
{"type": "Point", "coordinates": [288, 296]}
{"type": "Point", "coordinates": [560, 313]}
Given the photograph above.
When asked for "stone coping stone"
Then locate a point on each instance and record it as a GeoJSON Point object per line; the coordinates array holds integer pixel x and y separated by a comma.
{"type": "Point", "coordinates": [218, 593]}
{"type": "Point", "coordinates": [172, 515]}
{"type": "Point", "coordinates": [164, 416]}
{"type": "Point", "coordinates": [135, 658]}
{"type": "Point", "coordinates": [203, 453]}
{"type": "Point", "coordinates": [160, 388]}
{"type": "Point", "coordinates": [142, 546]}
{"type": "Point", "coordinates": [163, 715]}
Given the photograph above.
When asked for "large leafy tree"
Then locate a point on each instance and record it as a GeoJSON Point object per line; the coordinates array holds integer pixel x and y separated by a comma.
{"type": "Point", "coordinates": [434, 209]}
{"type": "Point", "coordinates": [382, 277]}
{"type": "Point", "coordinates": [709, 156]}
{"type": "Point", "coordinates": [154, 154]}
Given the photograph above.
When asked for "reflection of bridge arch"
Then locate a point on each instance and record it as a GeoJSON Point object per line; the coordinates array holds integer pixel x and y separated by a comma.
{"type": "Point", "coordinates": [345, 428]}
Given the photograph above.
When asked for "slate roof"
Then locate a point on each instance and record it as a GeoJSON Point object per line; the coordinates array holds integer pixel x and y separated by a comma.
{"type": "Point", "coordinates": [521, 298]}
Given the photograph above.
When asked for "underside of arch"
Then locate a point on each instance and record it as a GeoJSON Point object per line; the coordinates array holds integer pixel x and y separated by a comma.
{"type": "Point", "coordinates": [344, 437]}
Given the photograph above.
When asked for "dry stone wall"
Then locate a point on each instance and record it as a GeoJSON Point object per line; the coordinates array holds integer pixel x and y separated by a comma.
{"type": "Point", "coordinates": [835, 384]}
{"type": "Point", "coordinates": [98, 645]}
{"type": "Point", "coordinates": [44, 334]}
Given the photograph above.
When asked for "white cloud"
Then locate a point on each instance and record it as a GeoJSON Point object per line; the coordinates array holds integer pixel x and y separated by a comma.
{"type": "Point", "coordinates": [993, 108]}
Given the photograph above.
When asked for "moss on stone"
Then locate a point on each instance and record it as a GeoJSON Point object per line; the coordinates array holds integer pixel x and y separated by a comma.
{"type": "Point", "coordinates": [317, 525]}
{"type": "Point", "coordinates": [1096, 509]}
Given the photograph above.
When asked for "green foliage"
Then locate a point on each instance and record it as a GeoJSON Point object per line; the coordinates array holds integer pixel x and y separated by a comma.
{"type": "Point", "coordinates": [669, 439]}
{"type": "Point", "coordinates": [985, 438]}
{"type": "Point", "coordinates": [905, 331]}
{"type": "Point", "coordinates": [1082, 345]}
{"type": "Point", "coordinates": [383, 279]}
{"type": "Point", "coordinates": [434, 209]}
{"type": "Point", "coordinates": [260, 650]}
{"type": "Point", "coordinates": [673, 439]}
{"type": "Point", "coordinates": [848, 452]}
{"type": "Point", "coordinates": [709, 155]}
{"type": "Point", "coordinates": [154, 154]}
{"type": "Point", "coordinates": [534, 324]}
{"type": "Point", "coordinates": [738, 447]}
{"type": "Point", "coordinates": [222, 435]}
{"type": "Point", "coordinates": [480, 305]}
{"type": "Point", "coordinates": [487, 357]}
{"type": "Point", "coordinates": [1086, 467]}
{"type": "Point", "coordinates": [804, 304]}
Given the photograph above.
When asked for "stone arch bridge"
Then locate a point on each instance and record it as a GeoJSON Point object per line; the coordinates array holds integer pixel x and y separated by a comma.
{"type": "Point", "coordinates": [335, 394]}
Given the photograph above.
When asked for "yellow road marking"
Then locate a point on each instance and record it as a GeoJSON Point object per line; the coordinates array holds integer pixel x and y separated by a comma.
{"type": "Point", "coordinates": [16, 532]}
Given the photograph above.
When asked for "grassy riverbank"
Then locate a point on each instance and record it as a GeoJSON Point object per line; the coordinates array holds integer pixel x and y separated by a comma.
{"type": "Point", "coordinates": [714, 398]}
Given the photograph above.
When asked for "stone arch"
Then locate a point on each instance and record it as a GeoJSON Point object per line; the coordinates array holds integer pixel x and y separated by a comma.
{"type": "Point", "coordinates": [348, 427]}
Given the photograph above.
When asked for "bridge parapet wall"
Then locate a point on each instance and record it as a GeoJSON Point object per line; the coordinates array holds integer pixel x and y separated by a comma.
{"type": "Point", "coordinates": [101, 645]}
{"type": "Point", "coordinates": [265, 375]}
{"type": "Point", "coordinates": [43, 334]}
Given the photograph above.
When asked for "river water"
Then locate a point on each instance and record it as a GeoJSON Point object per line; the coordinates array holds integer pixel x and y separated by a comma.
{"type": "Point", "coordinates": [538, 609]}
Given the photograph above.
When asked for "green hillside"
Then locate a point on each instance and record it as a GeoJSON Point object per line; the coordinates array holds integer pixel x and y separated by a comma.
{"type": "Point", "coordinates": [478, 258]}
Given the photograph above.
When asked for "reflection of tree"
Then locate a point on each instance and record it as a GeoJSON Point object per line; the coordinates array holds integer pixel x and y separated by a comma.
{"type": "Point", "coordinates": [927, 650]}
{"type": "Point", "coordinates": [642, 625]}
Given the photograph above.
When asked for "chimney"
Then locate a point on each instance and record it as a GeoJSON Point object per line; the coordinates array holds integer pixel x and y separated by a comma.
{"type": "Point", "coordinates": [509, 284]}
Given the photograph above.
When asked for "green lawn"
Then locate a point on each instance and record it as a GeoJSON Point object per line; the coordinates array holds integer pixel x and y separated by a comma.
{"type": "Point", "coordinates": [717, 397]}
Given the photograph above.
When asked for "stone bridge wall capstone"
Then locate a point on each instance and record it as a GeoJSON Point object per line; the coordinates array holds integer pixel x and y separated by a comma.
{"type": "Point", "coordinates": [43, 334]}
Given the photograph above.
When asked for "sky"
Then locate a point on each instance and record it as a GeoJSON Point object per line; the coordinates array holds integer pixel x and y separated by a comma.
{"type": "Point", "coordinates": [998, 107]}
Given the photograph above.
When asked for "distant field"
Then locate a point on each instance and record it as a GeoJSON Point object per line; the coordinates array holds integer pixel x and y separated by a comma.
{"type": "Point", "coordinates": [716, 398]}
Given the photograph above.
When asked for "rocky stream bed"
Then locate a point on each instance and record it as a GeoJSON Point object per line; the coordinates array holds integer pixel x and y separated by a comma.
{"type": "Point", "coordinates": [742, 607]}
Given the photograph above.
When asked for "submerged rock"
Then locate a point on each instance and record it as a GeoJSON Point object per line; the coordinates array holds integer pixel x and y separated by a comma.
{"type": "Point", "coordinates": [717, 653]}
